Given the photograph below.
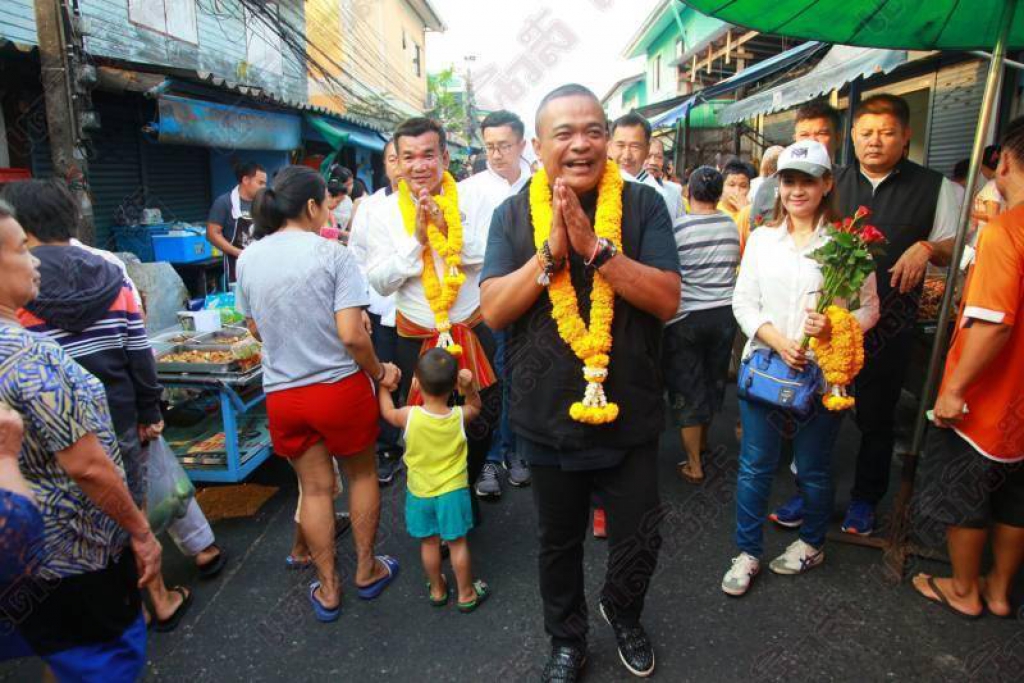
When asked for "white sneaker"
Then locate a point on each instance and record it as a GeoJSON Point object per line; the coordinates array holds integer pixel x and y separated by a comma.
{"type": "Point", "coordinates": [798, 558]}
{"type": "Point", "coordinates": [737, 580]}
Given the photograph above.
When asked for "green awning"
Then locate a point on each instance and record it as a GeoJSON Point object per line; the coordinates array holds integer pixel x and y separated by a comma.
{"type": "Point", "coordinates": [892, 24]}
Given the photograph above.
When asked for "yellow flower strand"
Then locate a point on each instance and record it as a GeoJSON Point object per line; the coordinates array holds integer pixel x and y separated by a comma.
{"type": "Point", "coordinates": [441, 295]}
{"type": "Point", "coordinates": [841, 357]}
{"type": "Point", "coordinates": [591, 343]}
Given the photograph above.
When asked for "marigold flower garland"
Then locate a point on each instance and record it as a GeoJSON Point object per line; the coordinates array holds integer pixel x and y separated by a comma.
{"type": "Point", "coordinates": [591, 343]}
{"type": "Point", "coordinates": [840, 357]}
{"type": "Point", "coordinates": [440, 294]}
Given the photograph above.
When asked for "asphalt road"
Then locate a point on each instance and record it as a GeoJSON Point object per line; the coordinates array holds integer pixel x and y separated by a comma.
{"type": "Point", "coordinates": [841, 622]}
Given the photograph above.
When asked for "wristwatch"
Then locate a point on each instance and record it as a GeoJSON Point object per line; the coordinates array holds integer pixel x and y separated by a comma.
{"type": "Point", "coordinates": [605, 252]}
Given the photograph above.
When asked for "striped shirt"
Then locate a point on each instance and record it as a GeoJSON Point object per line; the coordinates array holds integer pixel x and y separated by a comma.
{"type": "Point", "coordinates": [709, 254]}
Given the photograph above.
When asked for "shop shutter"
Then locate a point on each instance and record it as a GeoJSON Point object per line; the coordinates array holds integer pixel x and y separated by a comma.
{"type": "Point", "coordinates": [778, 128]}
{"type": "Point", "coordinates": [956, 103]}
{"type": "Point", "coordinates": [177, 181]}
{"type": "Point", "coordinates": [115, 168]}
{"type": "Point", "coordinates": [114, 171]}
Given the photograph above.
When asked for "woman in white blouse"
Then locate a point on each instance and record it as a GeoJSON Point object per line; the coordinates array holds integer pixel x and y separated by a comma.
{"type": "Point", "coordinates": [774, 302]}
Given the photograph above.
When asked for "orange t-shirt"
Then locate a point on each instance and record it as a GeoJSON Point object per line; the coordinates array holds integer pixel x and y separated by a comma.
{"type": "Point", "coordinates": [994, 424]}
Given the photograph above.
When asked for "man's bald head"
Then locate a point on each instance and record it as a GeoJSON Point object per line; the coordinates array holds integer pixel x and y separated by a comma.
{"type": "Point", "coordinates": [568, 90]}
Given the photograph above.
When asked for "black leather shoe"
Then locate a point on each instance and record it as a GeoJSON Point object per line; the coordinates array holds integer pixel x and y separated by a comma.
{"type": "Point", "coordinates": [635, 649]}
{"type": "Point", "coordinates": [564, 665]}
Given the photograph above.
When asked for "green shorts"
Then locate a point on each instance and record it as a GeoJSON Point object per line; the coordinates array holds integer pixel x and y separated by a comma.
{"type": "Point", "coordinates": [449, 515]}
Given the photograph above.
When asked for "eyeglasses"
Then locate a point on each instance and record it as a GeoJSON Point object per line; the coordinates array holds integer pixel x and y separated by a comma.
{"type": "Point", "coordinates": [502, 149]}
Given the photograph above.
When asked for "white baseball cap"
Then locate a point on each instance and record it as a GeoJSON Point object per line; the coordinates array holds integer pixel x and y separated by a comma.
{"type": "Point", "coordinates": [806, 156]}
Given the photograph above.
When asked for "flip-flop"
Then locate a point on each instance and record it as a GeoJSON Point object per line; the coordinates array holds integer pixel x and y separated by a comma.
{"type": "Point", "coordinates": [941, 600]}
{"type": "Point", "coordinates": [435, 602]}
{"type": "Point", "coordinates": [482, 593]}
{"type": "Point", "coordinates": [214, 566]}
{"type": "Point", "coordinates": [1012, 614]}
{"type": "Point", "coordinates": [292, 562]}
{"type": "Point", "coordinates": [684, 472]}
{"type": "Point", "coordinates": [324, 614]}
{"type": "Point", "coordinates": [170, 623]}
{"type": "Point", "coordinates": [377, 587]}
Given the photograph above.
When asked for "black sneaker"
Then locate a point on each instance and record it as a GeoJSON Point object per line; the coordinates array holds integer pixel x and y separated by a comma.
{"type": "Point", "coordinates": [518, 471]}
{"type": "Point", "coordinates": [635, 649]}
{"type": "Point", "coordinates": [388, 465]}
{"type": "Point", "coordinates": [564, 665]}
{"type": "Point", "coordinates": [488, 485]}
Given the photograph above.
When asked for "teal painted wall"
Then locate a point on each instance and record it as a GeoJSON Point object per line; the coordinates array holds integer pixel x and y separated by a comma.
{"type": "Point", "coordinates": [221, 49]}
{"type": "Point", "coordinates": [18, 21]}
{"type": "Point", "coordinates": [696, 27]}
{"type": "Point", "coordinates": [634, 96]}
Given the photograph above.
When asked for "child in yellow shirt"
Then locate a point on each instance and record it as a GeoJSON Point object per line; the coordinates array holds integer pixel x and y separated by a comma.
{"type": "Point", "coordinates": [437, 504]}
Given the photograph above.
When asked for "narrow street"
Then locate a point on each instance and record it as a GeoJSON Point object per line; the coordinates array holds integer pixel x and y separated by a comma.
{"type": "Point", "coordinates": [841, 622]}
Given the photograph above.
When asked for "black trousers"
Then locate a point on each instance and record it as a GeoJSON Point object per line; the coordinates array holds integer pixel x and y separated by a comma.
{"type": "Point", "coordinates": [629, 494]}
{"type": "Point", "coordinates": [385, 341]}
{"type": "Point", "coordinates": [479, 432]}
{"type": "Point", "coordinates": [879, 386]}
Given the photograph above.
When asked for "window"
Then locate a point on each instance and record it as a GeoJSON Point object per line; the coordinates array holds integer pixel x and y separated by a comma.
{"type": "Point", "coordinates": [417, 61]}
{"type": "Point", "coordinates": [657, 73]}
{"type": "Point", "coordinates": [175, 18]}
{"type": "Point", "coordinates": [262, 39]}
{"type": "Point", "coordinates": [404, 45]}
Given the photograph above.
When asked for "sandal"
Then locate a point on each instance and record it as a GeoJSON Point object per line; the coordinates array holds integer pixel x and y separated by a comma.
{"type": "Point", "coordinates": [292, 562]}
{"type": "Point", "coordinates": [214, 566]}
{"type": "Point", "coordinates": [439, 602]}
{"type": "Point", "coordinates": [323, 613]}
{"type": "Point", "coordinates": [170, 623]}
{"type": "Point", "coordinates": [482, 593]}
{"type": "Point", "coordinates": [377, 587]}
{"type": "Point", "coordinates": [941, 599]}
{"type": "Point", "coordinates": [687, 475]}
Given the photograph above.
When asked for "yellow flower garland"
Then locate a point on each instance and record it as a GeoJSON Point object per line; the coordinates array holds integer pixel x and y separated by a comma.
{"type": "Point", "coordinates": [841, 357]}
{"type": "Point", "coordinates": [592, 343]}
{"type": "Point", "coordinates": [440, 295]}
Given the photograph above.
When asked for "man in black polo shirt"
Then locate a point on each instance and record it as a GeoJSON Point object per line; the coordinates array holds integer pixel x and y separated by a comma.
{"type": "Point", "coordinates": [917, 210]}
{"type": "Point", "coordinates": [570, 460]}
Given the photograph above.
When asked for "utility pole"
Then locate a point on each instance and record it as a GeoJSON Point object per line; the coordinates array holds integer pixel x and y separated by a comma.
{"type": "Point", "coordinates": [470, 104]}
{"type": "Point", "coordinates": [66, 81]}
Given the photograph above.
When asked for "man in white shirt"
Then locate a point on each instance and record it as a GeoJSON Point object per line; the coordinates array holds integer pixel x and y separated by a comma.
{"type": "Point", "coordinates": [655, 167]}
{"type": "Point", "coordinates": [381, 310]}
{"type": "Point", "coordinates": [479, 195]}
{"type": "Point", "coordinates": [630, 147]}
{"type": "Point", "coordinates": [395, 261]}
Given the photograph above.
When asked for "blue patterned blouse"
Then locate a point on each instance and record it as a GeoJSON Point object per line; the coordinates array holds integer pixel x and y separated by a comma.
{"type": "Point", "coordinates": [60, 403]}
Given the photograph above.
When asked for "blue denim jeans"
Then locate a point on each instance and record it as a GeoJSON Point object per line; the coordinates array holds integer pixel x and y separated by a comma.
{"type": "Point", "coordinates": [813, 438]}
{"type": "Point", "coordinates": [504, 441]}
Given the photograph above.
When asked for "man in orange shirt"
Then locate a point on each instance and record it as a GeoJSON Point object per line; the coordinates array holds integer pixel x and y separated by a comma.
{"type": "Point", "coordinates": [975, 462]}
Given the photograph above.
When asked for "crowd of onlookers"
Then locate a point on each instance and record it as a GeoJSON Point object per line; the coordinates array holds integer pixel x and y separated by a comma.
{"type": "Point", "coordinates": [347, 330]}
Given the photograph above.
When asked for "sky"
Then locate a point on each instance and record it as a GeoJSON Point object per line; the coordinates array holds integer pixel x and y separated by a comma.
{"type": "Point", "coordinates": [525, 48]}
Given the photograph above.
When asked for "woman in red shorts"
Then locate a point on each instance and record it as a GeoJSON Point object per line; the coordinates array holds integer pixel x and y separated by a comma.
{"type": "Point", "coordinates": [302, 296]}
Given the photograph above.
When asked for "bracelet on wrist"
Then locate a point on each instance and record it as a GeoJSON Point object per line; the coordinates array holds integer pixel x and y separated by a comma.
{"type": "Point", "coordinates": [383, 372]}
{"type": "Point", "coordinates": [928, 247]}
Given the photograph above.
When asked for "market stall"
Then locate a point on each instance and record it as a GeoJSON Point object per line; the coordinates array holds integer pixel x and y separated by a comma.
{"type": "Point", "coordinates": [216, 423]}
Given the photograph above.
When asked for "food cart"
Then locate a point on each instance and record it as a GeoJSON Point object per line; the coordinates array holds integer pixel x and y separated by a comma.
{"type": "Point", "coordinates": [217, 422]}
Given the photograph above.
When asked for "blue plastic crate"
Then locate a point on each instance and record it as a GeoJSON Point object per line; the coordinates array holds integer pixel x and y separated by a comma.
{"type": "Point", "coordinates": [138, 239]}
{"type": "Point", "coordinates": [181, 247]}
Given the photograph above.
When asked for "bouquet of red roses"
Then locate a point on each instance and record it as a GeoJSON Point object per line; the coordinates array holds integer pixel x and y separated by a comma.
{"type": "Point", "coordinates": [848, 259]}
{"type": "Point", "coordinates": [846, 262]}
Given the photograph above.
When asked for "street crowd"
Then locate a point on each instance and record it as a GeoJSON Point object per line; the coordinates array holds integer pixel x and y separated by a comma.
{"type": "Point", "coordinates": [529, 324]}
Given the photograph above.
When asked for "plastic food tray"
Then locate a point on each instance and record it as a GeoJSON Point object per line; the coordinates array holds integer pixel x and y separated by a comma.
{"type": "Point", "coordinates": [204, 368]}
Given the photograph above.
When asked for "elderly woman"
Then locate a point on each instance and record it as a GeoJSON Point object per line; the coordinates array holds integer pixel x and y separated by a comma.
{"type": "Point", "coordinates": [97, 546]}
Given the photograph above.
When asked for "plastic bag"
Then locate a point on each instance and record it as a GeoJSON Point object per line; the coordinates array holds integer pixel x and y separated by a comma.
{"type": "Point", "coordinates": [224, 303]}
{"type": "Point", "coordinates": [170, 489]}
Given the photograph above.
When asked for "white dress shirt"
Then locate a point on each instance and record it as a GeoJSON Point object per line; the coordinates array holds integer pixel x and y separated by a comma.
{"type": "Point", "coordinates": [395, 264]}
{"type": "Point", "coordinates": [673, 199]}
{"type": "Point", "coordinates": [383, 306]}
{"type": "Point", "coordinates": [778, 282]}
{"type": "Point", "coordinates": [481, 194]}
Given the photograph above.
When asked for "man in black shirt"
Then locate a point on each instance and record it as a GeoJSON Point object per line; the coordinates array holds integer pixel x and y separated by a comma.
{"type": "Point", "coordinates": [570, 459]}
{"type": "Point", "coordinates": [917, 211]}
{"type": "Point", "coordinates": [229, 227]}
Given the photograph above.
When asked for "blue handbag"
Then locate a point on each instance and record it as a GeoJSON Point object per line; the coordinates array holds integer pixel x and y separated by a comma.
{"type": "Point", "coordinates": [766, 379]}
